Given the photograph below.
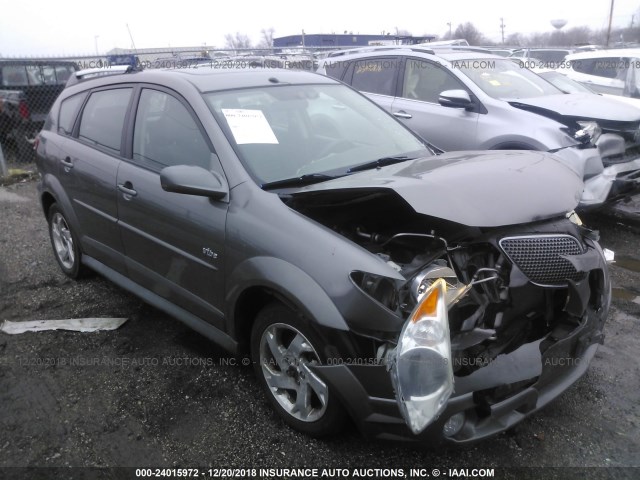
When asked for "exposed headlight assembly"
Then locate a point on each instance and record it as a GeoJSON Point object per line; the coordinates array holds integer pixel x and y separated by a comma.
{"type": "Point", "coordinates": [421, 367]}
{"type": "Point", "coordinates": [589, 132]}
{"type": "Point", "coordinates": [381, 289]}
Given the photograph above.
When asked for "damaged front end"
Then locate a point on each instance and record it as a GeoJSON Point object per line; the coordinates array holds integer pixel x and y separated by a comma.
{"type": "Point", "coordinates": [496, 321]}
{"type": "Point", "coordinates": [619, 175]}
{"type": "Point", "coordinates": [606, 153]}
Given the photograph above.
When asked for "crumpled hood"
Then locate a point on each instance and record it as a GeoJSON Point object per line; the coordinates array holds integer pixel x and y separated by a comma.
{"type": "Point", "coordinates": [482, 189]}
{"type": "Point", "coordinates": [579, 106]}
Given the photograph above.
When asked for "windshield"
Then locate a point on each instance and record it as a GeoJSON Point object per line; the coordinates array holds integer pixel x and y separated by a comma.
{"type": "Point", "coordinates": [504, 79]}
{"type": "Point", "coordinates": [286, 131]}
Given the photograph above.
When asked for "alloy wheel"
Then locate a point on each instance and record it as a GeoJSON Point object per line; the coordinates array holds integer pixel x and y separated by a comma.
{"type": "Point", "coordinates": [285, 358]}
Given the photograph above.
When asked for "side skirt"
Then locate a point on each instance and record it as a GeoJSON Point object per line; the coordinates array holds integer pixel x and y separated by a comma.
{"type": "Point", "coordinates": [190, 320]}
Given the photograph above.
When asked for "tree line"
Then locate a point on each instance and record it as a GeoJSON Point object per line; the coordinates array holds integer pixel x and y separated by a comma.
{"type": "Point", "coordinates": [580, 35]}
{"type": "Point", "coordinates": [572, 36]}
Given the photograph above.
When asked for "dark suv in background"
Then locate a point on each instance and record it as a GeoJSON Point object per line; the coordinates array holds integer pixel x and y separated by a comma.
{"type": "Point", "coordinates": [438, 298]}
{"type": "Point", "coordinates": [28, 89]}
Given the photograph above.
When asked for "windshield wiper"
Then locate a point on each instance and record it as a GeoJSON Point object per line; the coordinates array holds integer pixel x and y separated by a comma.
{"type": "Point", "coordinates": [301, 181]}
{"type": "Point", "coordinates": [380, 162]}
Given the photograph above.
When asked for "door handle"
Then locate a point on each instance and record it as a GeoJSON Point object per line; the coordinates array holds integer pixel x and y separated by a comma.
{"type": "Point", "coordinates": [67, 163]}
{"type": "Point", "coordinates": [127, 189]}
{"type": "Point", "coordinates": [402, 114]}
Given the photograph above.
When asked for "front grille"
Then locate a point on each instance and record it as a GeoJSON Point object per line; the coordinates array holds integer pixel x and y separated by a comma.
{"type": "Point", "coordinates": [539, 257]}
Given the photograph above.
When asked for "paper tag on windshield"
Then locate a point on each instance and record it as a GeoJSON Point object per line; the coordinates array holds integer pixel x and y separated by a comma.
{"type": "Point", "coordinates": [249, 126]}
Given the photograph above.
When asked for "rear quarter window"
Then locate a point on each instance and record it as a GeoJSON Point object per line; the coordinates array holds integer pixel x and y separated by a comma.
{"type": "Point", "coordinates": [336, 69]}
{"type": "Point", "coordinates": [68, 112]}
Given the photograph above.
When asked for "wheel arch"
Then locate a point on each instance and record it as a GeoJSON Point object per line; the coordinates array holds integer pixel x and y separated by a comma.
{"type": "Point", "coordinates": [261, 280]}
{"type": "Point", "coordinates": [46, 200]}
{"type": "Point", "coordinates": [51, 191]}
{"type": "Point", "coordinates": [513, 145]}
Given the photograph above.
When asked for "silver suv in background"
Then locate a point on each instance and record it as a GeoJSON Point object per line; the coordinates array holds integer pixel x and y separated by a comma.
{"type": "Point", "coordinates": [462, 100]}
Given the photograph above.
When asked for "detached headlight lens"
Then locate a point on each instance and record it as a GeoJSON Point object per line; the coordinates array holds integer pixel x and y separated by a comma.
{"type": "Point", "coordinates": [421, 371]}
{"type": "Point", "coordinates": [592, 129]}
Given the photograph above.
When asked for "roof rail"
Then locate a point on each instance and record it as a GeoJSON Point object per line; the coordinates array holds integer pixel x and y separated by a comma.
{"type": "Point", "coordinates": [89, 73]}
{"type": "Point", "coordinates": [456, 48]}
{"type": "Point", "coordinates": [458, 42]}
{"type": "Point", "coordinates": [379, 48]}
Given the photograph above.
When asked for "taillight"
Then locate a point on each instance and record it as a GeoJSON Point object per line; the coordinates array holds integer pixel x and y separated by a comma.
{"type": "Point", "coordinates": [23, 109]}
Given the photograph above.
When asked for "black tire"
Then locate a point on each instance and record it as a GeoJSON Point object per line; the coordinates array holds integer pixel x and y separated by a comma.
{"type": "Point", "coordinates": [66, 248]}
{"type": "Point", "coordinates": [325, 415]}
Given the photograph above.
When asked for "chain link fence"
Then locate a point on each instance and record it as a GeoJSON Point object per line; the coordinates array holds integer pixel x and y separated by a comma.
{"type": "Point", "coordinates": [30, 86]}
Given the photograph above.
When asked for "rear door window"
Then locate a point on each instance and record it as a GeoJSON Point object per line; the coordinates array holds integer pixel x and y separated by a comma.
{"type": "Point", "coordinates": [606, 67]}
{"type": "Point", "coordinates": [583, 65]}
{"type": "Point", "coordinates": [376, 75]}
{"type": "Point", "coordinates": [103, 118]}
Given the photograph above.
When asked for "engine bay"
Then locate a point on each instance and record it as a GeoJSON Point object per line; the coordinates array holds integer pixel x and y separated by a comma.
{"type": "Point", "coordinates": [503, 309]}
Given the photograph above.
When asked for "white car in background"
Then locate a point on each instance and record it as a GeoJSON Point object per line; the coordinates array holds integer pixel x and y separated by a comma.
{"type": "Point", "coordinates": [613, 71]}
{"type": "Point", "coordinates": [548, 56]}
{"type": "Point", "coordinates": [569, 85]}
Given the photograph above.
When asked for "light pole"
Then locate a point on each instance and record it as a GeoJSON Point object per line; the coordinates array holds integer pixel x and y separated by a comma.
{"type": "Point", "coordinates": [609, 27]}
{"type": "Point", "coordinates": [95, 41]}
{"type": "Point", "coordinates": [449, 23]}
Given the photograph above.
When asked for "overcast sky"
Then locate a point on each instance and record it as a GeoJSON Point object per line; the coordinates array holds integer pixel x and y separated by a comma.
{"type": "Point", "coordinates": [73, 27]}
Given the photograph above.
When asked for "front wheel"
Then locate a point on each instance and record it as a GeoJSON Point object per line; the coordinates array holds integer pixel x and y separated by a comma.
{"type": "Point", "coordinates": [283, 348]}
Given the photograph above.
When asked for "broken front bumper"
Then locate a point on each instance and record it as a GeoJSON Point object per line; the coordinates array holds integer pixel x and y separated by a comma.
{"type": "Point", "coordinates": [491, 400]}
{"type": "Point", "coordinates": [615, 181]}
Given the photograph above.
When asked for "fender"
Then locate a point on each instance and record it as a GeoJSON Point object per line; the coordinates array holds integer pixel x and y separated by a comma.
{"type": "Point", "coordinates": [289, 281]}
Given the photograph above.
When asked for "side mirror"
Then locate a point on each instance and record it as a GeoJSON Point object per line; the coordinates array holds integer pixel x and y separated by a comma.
{"type": "Point", "coordinates": [454, 99]}
{"type": "Point", "coordinates": [193, 181]}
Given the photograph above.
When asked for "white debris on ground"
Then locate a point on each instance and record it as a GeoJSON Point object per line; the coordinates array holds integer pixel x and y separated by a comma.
{"type": "Point", "coordinates": [73, 324]}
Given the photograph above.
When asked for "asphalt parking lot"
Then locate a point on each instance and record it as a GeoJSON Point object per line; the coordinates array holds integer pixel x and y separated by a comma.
{"type": "Point", "coordinates": [155, 394]}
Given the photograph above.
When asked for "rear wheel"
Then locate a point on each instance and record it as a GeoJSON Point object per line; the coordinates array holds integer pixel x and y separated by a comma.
{"type": "Point", "coordinates": [283, 348]}
{"type": "Point", "coordinates": [64, 243]}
